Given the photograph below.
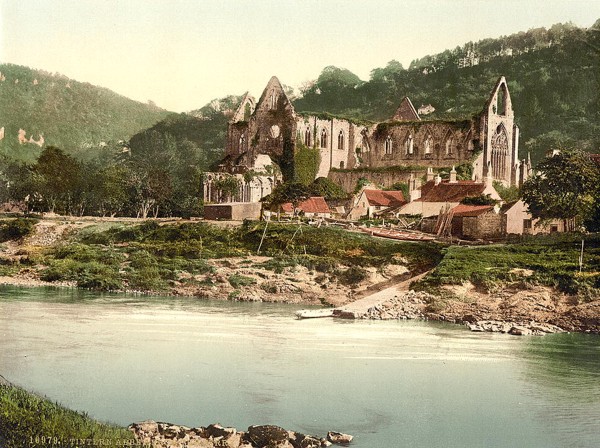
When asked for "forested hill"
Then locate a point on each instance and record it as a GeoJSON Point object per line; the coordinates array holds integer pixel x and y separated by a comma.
{"type": "Point", "coordinates": [199, 134]}
{"type": "Point", "coordinates": [553, 77]}
{"type": "Point", "coordinates": [39, 109]}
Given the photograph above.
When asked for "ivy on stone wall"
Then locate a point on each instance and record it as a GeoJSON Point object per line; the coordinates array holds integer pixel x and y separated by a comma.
{"type": "Point", "coordinates": [383, 129]}
{"type": "Point", "coordinates": [306, 163]}
{"type": "Point", "coordinates": [382, 169]}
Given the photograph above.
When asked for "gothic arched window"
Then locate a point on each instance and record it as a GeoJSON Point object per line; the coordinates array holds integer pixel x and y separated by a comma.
{"type": "Point", "coordinates": [341, 140]}
{"type": "Point", "coordinates": [323, 138]}
{"type": "Point", "coordinates": [242, 143]}
{"type": "Point", "coordinates": [307, 137]}
{"type": "Point", "coordinates": [388, 145]}
{"type": "Point", "coordinates": [428, 144]}
{"type": "Point", "coordinates": [408, 145]}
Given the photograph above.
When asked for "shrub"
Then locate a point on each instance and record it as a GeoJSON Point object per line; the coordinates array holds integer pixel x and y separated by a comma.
{"type": "Point", "coordinates": [352, 275]}
{"type": "Point", "coordinates": [146, 279]}
{"type": "Point", "coordinates": [237, 280]}
{"type": "Point", "coordinates": [16, 228]}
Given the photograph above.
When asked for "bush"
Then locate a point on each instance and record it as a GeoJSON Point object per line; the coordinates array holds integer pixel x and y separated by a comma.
{"type": "Point", "coordinates": [237, 280]}
{"type": "Point", "coordinates": [352, 275]}
{"type": "Point", "coordinates": [146, 279]}
{"type": "Point", "coordinates": [17, 228]}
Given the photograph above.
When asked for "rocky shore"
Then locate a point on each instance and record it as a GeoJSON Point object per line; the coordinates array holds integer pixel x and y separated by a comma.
{"type": "Point", "coordinates": [166, 435]}
{"type": "Point", "coordinates": [535, 311]}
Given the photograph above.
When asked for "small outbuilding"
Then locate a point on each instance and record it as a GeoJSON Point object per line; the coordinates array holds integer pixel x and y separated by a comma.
{"type": "Point", "coordinates": [313, 207]}
{"type": "Point", "coordinates": [371, 202]}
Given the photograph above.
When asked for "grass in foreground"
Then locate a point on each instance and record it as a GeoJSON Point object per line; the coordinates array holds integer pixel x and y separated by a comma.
{"type": "Point", "coordinates": [150, 257]}
{"type": "Point", "coordinates": [27, 420]}
{"type": "Point", "coordinates": [552, 259]}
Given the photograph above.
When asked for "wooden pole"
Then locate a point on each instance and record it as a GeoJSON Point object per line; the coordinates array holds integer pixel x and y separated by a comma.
{"type": "Point", "coordinates": [263, 237]}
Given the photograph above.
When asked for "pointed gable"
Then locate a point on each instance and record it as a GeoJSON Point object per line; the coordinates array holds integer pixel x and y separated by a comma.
{"type": "Point", "coordinates": [406, 111]}
{"type": "Point", "coordinates": [245, 109]}
{"type": "Point", "coordinates": [274, 97]}
{"type": "Point", "coordinates": [499, 102]}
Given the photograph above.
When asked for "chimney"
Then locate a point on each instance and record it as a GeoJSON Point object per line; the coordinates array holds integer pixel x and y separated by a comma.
{"type": "Point", "coordinates": [489, 180]}
{"type": "Point", "coordinates": [429, 174]}
{"type": "Point", "coordinates": [414, 188]}
{"type": "Point", "coordinates": [437, 180]}
{"type": "Point", "coordinates": [453, 175]}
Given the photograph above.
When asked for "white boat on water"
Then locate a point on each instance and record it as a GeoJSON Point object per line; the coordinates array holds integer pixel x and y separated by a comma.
{"type": "Point", "coordinates": [311, 314]}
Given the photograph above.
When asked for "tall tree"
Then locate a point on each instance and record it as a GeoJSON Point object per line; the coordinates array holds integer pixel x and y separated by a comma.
{"type": "Point", "coordinates": [566, 186]}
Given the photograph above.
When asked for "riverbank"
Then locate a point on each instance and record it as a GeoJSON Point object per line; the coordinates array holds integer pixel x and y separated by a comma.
{"type": "Point", "coordinates": [531, 287]}
{"type": "Point", "coordinates": [35, 421]}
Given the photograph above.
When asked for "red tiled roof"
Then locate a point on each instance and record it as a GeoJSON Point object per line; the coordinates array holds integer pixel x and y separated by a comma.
{"type": "Point", "coordinates": [450, 192]}
{"type": "Point", "coordinates": [471, 210]}
{"type": "Point", "coordinates": [385, 198]}
{"type": "Point", "coordinates": [315, 204]}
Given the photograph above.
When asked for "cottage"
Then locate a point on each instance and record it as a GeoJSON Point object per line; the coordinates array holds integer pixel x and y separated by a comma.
{"type": "Point", "coordinates": [435, 194]}
{"type": "Point", "coordinates": [518, 221]}
{"type": "Point", "coordinates": [313, 207]}
{"type": "Point", "coordinates": [371, 202]}
{"type": "Point", "coordinates": [477, 222]}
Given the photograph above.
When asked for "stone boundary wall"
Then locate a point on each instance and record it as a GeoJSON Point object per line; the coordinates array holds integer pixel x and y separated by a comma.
{"type": "Point", "coordinates": [348, 179]}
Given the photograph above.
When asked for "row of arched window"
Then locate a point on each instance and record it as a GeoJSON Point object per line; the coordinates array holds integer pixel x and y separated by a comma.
{"type": "Point", "coordinates": [388, 146]}
{"type": "Point", "coordinates": [324, 139]}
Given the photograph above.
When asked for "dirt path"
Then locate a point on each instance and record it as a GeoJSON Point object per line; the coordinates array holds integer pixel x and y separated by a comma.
{"type": "Point", "coordinates": [361, 306]}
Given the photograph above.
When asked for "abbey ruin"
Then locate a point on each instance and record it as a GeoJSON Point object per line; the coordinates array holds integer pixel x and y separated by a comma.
{"type": "Point", "coordinates": [263, 138]}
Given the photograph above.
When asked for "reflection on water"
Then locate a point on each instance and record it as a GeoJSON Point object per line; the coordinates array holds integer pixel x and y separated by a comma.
{"type": "Point", "coordinates": [129, 358]}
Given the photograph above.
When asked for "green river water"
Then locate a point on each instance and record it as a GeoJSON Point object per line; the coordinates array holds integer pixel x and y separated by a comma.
{"type": "Point", "coordinates": [391, 384]}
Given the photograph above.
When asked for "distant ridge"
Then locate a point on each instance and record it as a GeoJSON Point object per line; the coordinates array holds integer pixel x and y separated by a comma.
{"type": "Point", "coordinates": [38, 108]}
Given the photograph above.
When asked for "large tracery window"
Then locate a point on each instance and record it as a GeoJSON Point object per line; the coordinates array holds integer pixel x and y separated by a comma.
{"type": "Point", "coordinates": [499, 153]}
{"type": "Point", "coordinates": [388, 145]}
{"type": "Point", "coordinates": [323, 138]}
{"type": "Point", "coordinates": [341, 140]}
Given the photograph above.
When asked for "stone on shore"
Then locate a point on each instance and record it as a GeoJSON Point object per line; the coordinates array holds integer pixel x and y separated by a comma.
{"type": "Point", "coordinates": [166, 435]}
{"type": "Point", "coordinates": [339, 438]}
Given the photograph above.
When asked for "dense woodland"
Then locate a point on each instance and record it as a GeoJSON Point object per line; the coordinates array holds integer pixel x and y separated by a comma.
{"type": "Point", "coordinates": [106, 155]}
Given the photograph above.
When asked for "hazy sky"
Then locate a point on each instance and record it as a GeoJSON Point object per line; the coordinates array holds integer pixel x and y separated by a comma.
{"type": "Point", "coordinates": [183, 53]}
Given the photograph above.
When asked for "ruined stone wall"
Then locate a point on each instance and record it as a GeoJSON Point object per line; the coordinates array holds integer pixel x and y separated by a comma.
{"type": "Point", "coordinates": [348, 179]}
{"type": "Point", "coordinates": [435, 144]}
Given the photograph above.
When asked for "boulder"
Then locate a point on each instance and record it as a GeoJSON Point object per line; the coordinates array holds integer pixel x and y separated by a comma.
{"type": "Point", "coordinates": [518, 330]}
{"type": "Point", "coordinates": [339, 438]}
{"type": "Point", "coordinates": [217, 430]}
{"type": "Point", "coordinates": [261, 436]}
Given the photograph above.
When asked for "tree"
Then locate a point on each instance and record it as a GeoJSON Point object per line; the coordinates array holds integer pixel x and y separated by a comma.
{"type": "Point", "coordinates": [60, 173]}
{"type": "Point", "coordinates": [565, 187]}
{"type": "Point", "coordinates": [294, 192]}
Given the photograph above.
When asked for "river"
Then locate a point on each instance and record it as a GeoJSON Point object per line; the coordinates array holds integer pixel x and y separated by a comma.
{"type": "Point", "coordinates": [127, 358]}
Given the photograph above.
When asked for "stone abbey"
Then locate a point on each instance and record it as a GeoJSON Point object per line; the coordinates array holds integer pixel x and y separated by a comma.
{"type": "Point", "coordinates": [270, 132]}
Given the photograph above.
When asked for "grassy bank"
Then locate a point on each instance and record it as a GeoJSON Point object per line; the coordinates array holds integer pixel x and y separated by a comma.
{"type": "Point", "coordinates": [27, 420]}
{"type": "Point", "coordinates": [152, 257]}
{"type": "Point", "coordinates": [550, 260]}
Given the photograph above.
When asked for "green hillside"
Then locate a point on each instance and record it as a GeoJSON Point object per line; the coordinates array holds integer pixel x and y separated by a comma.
{"type": "Point", "coordinates": [553, 76]}
{"type": "Point", "coordinates": [72, 115]}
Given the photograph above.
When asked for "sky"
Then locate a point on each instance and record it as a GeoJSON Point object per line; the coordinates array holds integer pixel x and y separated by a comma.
{"type": "Point", "coordinates": [181, 54]}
